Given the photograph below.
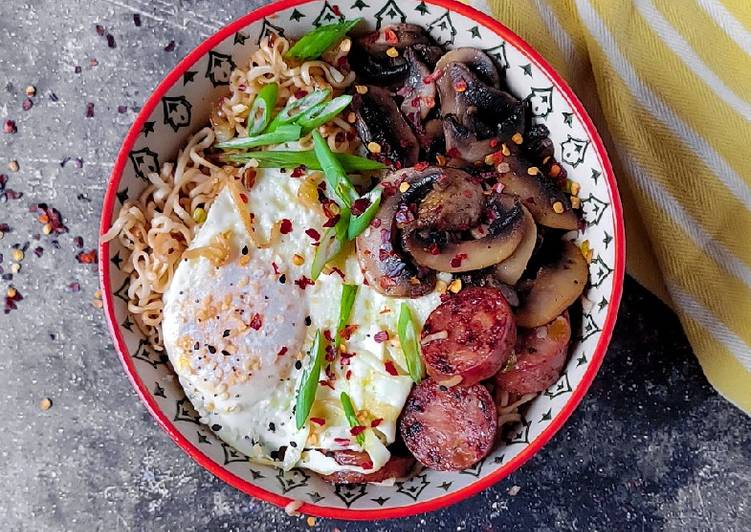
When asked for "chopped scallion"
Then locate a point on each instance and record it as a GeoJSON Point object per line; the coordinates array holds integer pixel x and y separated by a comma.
{"type": "Point", "coordinates": [306, 393]}
{"type": "Point", "coordinates": [313, 44]}
{"type": "Point", "coordinates": [297, 108]}
{"type": "Point", "coordinates": [349, 292]}
{"type": "Point", "coordinates": [359, 223]}
{"type": "Point", "coordinates": [263, 106]}
{"type": "Point", "coordinates": [408, 335]}
{"type": "Point", "coordinates": [349, 413]}
{"type": "Point", "coordinates": [293, 159]}
{"type": "Point", "coordinates": [287, 133]}
{"type": "Point", "coordinates": [323, 112]}
{"type": "Point", "coordinates": [336, 177]}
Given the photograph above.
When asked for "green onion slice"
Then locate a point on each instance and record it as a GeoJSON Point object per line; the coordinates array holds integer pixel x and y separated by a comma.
{"type": "Point", "coordinates": [408, 335]}
{"type": "Point", "coordinates": [293, 159]}
{"type": "Point", "coordinates": [297, 108]}
{"type": "Point", "coordinates": [349, 412]}
{"type": "Point", "coordinates": [331, 244]}
{"type": "Point", "coordinates": [264, 105]}
{"type": "Point", "coordinates": [358, 224]}
{"type": "Point", "coordinates": [316, 42]}
{"type": "Point", "coordinates": [336, 177]}
{"type": "Point", "coordinates": [323, 112]}
{"type": "Point", "coordinates": [349, 292]}
{"type": "Point", "coordinates": [306, 393]}
{"type": "Point", "coordinates": [282, 134]}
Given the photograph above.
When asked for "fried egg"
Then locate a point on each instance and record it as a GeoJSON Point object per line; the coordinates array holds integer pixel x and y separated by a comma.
{"type": "Point", "coordinates": [239, 321]}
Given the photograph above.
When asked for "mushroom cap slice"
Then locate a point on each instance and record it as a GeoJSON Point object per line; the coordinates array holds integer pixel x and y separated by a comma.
{"type": "Point", "coordinates": [503, 236]}
{"type": "Point", "coordinates": [385, 266]}
{"type": "Point", "coordinates": [477, 60]}
{"type": "Point", "coordinates": [378, 119]}
{"type": "Point", "coordinates": [539, 194]}
{"type": "Point", "coordinates": [510, 270]}
{"type": "Point", "coordinates": [555, 288]}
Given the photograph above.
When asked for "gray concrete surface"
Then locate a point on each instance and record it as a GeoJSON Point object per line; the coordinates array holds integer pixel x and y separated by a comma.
{"type": "Point", "coordinates": [652, 447]}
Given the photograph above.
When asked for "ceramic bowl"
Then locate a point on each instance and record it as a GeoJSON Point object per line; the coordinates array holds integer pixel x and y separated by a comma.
{"type": "Point", "coordinates": [180, 106]}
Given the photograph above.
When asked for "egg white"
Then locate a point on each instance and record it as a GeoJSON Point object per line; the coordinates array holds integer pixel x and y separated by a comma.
{"type": "Point", "coordinates": [242, 413]}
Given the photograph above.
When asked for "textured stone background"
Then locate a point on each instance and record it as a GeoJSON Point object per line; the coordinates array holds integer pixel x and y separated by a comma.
{"type": "Point", "coordinates": [651, 447]}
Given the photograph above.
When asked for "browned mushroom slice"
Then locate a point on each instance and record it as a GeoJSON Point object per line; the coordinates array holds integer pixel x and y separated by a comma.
{"type": "Point", "coordinates": [554, 289]}
{"type": "Point", "coordinates": [502, 236]}
{"type": "Point", "coordinates": [379, 121]}
{"type": "Point", "coordinates": [386, 268]}
{"type": "Point", "coordinates": [419, 91]}
{"type": "Point", "coordinates": [548, 204]}
{"type": "Point", "coordinates": [475, 114]}
{"type": "Point", "coordinates": [398, 36]}
{"type": "Point", "coordinates": [510, 270]}
{"type": "Point", "coordinates": [455, 203]}
{"type": "Point", "coordinates": [477, 60]}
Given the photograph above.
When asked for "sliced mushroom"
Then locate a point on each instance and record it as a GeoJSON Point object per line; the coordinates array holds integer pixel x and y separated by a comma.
{"type": "Point", "coordinates": [502, 236]}
{"type": "Point", "coordinates": [379, 121]}
{"type": "Point", "coordinates": [385, 266]}
{"type": "Point", "coordinates": [369, 59]}
{"type": "Point", "coordinates": [548, 204]}
{"type": "Point", "coordinates": [455, 203]}
{"type": "Point", "coordinates": [475, 114]}
{"type": "Point", "coordinates": [554, 289]}
{"type": "Point", "coordinates": [510, 270]}
{"type": "Point", "coordinates": [419, 91]}
{"type": "Point", "coordinates": [477, 60]}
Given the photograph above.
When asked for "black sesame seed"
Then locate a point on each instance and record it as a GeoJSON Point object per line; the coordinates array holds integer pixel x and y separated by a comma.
{"type": "Point", "coordinates": [225, 334]}
{"type": "Point", "coordinates": [293, 444]}
{"type": "Point", "coordinates": [272, 427]}
{"type": "Point", "coordinates": [212, 349]}
{"type": "Point", "coordinates": [442, 388]}
{"type": "Point", "coordinates": [308, 321]}
{"type": "Point", "coordinates": [298, 364]}
{"type": "Point", "coordinates": [226, 353]}
{"type": "Point", "coordinates": [244, 250]}
{"type": "Point", "coordinates": [216, 427]}
{"type": "Point", "coordinates": [283, 279]}
{"type": "Point", "coordinates": [196, 346]}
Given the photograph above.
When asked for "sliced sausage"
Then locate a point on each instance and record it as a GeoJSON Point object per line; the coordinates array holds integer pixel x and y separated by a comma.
{"type": "Point", "coordinates": [471, 335]}
{"type": "Point", "coordinates": [448, 429]}
{"type": "Point", "coordinates": [541, 355]}
{"type": "Point", "coordinates": [396, 467]}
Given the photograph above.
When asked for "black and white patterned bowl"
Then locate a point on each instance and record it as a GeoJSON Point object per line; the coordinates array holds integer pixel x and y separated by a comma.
{"type": "Point", "coordinates": [180, 106]}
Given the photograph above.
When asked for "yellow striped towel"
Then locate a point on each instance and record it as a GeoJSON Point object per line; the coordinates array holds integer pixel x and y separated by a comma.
{"type": "Point", "coordinates": [668, 84]}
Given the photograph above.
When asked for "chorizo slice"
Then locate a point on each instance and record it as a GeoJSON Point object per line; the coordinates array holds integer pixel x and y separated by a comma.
{"type": "Point", "coordinates": [469, 336]}
{"type": "Point", "coordinates": [540, 356]}
{"type": "Point", "coordinates": [396, 467]}
{"type": "Point", "coordinates": [449, 429]}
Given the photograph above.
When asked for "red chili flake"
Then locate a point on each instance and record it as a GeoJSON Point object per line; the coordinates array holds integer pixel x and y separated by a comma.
{"type": "Point", "coordinates": [256, 322]}
{"type": "Point", "coordinates": [303, 282]}
{"type": "Point", "coordinates": [170, 47]}
{"type": "Point", "coordinates": [453, 152]}
{"type": "Point", "coordinates": [348, 374]}
{"type": "Point", "coordinates": [137, 20]}
{"type": "Point", "coordinates": [10, 301]}
{"type": "Point", "coordinates": [282, 351]}
{"type": "Point", "coordinates": [38, 251]}
{"type": "Point", "coordinates": [347, 332]}
{"type": "Point", "coordinates": [386, 282]}
{"type": "Point", "coordinates": [360, 205]}
{"type": "Point", "coordinates": [389, 189]}
{"type": "Point", "coordinates": [100, 30]}
{"type": "Point", "coordinates": [4, 228]}
{"type": "Point", "coordinates": [430, 78]}
{"type": "Point", "coordinates": [327, 335]}
{"type": "Point", "coordinates": [384, 254]}
{"type": "Point", "coordinates": [337, 271]}
{"type": "Point", "coordinates": [87, 257]}
{"type": "Point", "coordinates": [390, 36]}
{"type": "Point", "coordinates": [78, 241]}
{"type": "Point", "coordinates": [376, 422]}
{"type": "Point", "coordinates": [77, 69]}
{"type": "Point", "coordinates": [421, 166]}
{"type": "Point", "coordinates": [300, 93]}
{"type": "Point", "coordinates": [460, 86]}
{"type": "Point", "coordinates": [9, 127]}
{"type": "Point", "coordinates": [356, 430]}
{"type": "Point", "coordinates": [318, 421]}
{"type": "Point", "coordinates": [312, 233]}
{"type": "Point", "coordinates": [457, 260]}
{"type": "Point", "coordinates": [376, 223]}
{"type": "Point", "coordinates": [342, 62]}
{"type": "Point", "coordinates": [342, 441]}
{"type": "Point", "coordinates": [27, 104]}
{"type": "Point", "coordinates": [299, 171]}
{"type": "Point", "coordinates": [286, 226]}
{"type": "Point", "coordinates": [89, 110]}
{"type": "Point", "coordinates": [244, 198]}
{"type": "Point", "coordinates": [74, 287]}
{"type": "Point", "coordinates": [111, 41]}
{"type": "Point", "coordinates": [335, 9]}
{"type": "Point", "coordinates": [276, 268]}
{"type": "Point", "coordinates": [434, 249]}
{"type": "Point", "coordinates": [390, 368]}
{"type": "Point", "coordinates": [381, 336]}
{"type": "Point", "coordinates": [122, 109]}
{"type": "Point", "coordinates": [415, 103]}
{"type": "Point", "coordinates": [326, 383]}
{"type": "Point", "coordinates": [331, 222]}
{"type": "Point", "coordinates": [493, 143]}
{"type": "Point", "coordinates": [429, 101]}
{"type": "Point", "coordinates": [404, 215]}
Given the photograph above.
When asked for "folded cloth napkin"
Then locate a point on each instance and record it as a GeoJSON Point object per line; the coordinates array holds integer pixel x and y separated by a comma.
{"type": "Point", "coordinates": [668, 84]}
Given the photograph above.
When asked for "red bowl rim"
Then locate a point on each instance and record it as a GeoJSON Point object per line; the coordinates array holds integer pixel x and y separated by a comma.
{"type": "Point", "coordinates": [329, 511]}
